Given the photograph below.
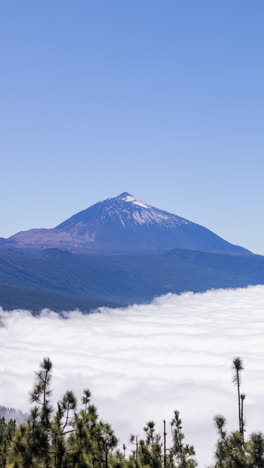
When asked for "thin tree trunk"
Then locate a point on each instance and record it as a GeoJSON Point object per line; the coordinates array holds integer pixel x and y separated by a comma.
{"type": "Point", "coordinates": [242, 417]}
{"type": "Point", "coordinates": [106, 458]}
{"type": "Point", "coordinates": [239, 401]}
{"type": "Point", "coordinates": [164, 444]}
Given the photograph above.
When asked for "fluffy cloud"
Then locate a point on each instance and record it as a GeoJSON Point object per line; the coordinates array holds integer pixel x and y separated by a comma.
{"type": "Point", "coordinates": [144, 361]}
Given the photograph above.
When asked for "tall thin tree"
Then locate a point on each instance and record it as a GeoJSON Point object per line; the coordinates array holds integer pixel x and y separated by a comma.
{"type": "Point", "coordinates": [164, 444]}
{"type": "Point", "coordinates": [238, 367]}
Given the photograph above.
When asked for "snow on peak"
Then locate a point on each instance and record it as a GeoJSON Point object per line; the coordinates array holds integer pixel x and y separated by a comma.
{"type": "Point", "coordinates": [127, 197]}
{"type": "Point", "coordinates": [149, 215]}
{"type": "Point", "coordinates": [135, 201]}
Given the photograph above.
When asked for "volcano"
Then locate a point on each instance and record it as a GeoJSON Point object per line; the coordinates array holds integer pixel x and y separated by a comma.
{"type": "Point", "coordinates": [123, 225]}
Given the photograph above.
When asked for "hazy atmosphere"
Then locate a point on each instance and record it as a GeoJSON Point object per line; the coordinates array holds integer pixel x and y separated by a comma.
{"type": "Point", "coordinates": [145, 361]}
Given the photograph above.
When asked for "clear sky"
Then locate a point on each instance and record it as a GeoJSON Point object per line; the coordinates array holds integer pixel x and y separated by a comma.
{"type": "Point", "coordinates": [160, 99]}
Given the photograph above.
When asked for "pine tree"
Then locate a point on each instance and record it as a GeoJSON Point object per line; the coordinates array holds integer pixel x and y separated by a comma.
{"type": "Point", "coordinates": [73, 437]}
{"type": "Point", "coordinates": [238, 367]}
{"type": "Point", "coordinates": [256, 451]}
{"type": "Point", "coordinates": [7, 430]}
{"type": "Point", "coordinates": [181, 453]}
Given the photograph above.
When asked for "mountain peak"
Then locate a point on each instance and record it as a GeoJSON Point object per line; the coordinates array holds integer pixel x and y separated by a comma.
{"type": "Point", "coordinates": [123, 224]}
{"type": "Point", "coordinates": [127, 197]}
{"type": "Point", "coordinates": [124, 195]}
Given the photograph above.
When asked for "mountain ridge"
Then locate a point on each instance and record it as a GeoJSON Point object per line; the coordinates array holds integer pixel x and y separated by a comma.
{"type": "Point", "coordinates": [36, 279]}
{"type": "Point", "coordinates": [122, 225]}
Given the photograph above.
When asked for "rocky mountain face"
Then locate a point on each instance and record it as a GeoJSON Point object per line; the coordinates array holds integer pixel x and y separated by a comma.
{"type": "Point", "coordinates": [123, 225]}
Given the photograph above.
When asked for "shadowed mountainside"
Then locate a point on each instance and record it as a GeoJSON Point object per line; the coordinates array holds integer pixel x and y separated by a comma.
{"type": "Point", "coordinates": [63, 280]}
{"type": "Point", "coordinates": [36, 300]}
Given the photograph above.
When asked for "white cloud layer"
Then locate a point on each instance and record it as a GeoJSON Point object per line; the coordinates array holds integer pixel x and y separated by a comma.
{"type": "Point", "coordinates": [145, 361]}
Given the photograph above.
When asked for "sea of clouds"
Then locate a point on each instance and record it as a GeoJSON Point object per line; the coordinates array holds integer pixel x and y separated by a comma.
{"type": "Point", "coordinates": [144, 361]}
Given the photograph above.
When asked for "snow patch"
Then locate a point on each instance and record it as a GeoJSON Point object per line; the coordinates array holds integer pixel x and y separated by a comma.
{"type": "Point", "coordinates": [155, 217]}
{"type": "Point", "coordinates": [135, 201]}
{"type": "Point", "coordinates": [148, 215]}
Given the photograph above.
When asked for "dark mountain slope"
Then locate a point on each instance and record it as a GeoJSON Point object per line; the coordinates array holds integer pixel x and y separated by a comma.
{"type": "Point", "coordinates": [35, 300]}
{"type": "Point", "coordinates": [125, 279]}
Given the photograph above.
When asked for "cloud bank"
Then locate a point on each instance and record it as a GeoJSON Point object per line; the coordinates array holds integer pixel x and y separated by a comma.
{"type": "Point", "coordinates": [144, 361]}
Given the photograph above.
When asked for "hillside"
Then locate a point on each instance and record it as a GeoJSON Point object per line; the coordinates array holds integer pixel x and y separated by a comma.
{"type": "Point", "coordinates": [49, 275]}
{"type": "Point", "coordinates": [36, 300]}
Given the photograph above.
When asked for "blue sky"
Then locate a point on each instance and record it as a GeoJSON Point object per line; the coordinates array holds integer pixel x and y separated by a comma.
{"type": "Point", "coordinates": [160, 99]}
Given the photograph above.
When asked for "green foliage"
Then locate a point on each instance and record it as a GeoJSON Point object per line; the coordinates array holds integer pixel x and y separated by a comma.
{"type": "Point", "coordinates": [75, 437]}
{"type": "Point", "coordinates": [7, 431]}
